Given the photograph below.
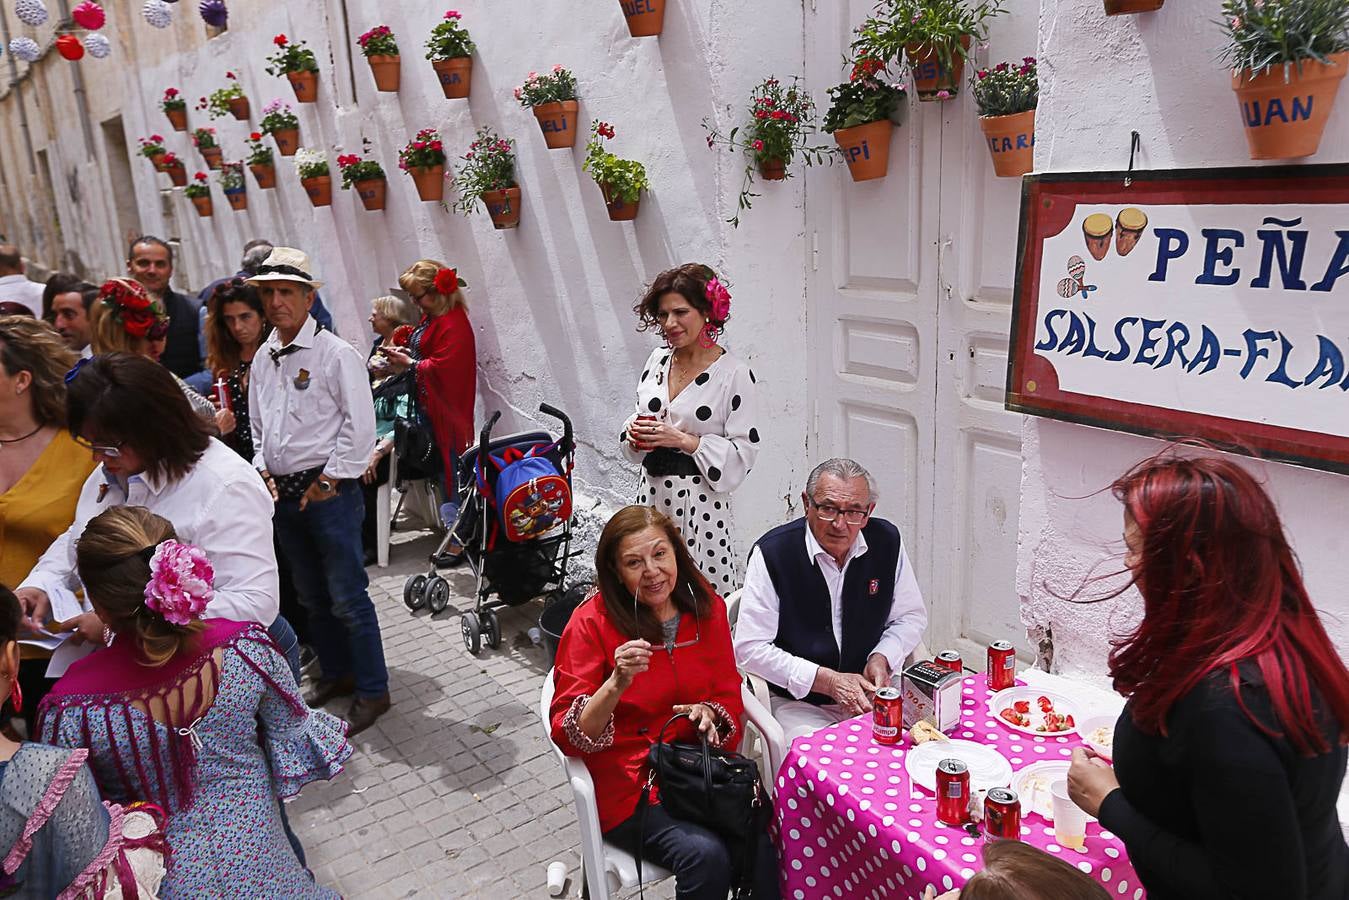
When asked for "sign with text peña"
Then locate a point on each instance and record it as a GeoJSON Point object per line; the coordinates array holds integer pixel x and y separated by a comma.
{"type": "Point", "coordinates": [1209, 303]}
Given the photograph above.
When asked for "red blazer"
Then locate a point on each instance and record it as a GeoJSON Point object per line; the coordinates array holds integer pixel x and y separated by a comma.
{"type": "Point", "coordinates": [702, 673]}
{"type": "Point", "coordinates": [447, 381]}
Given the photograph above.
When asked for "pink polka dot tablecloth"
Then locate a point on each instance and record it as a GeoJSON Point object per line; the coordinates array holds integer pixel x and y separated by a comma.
{"type": "Point", "coordinates": [850, 824]}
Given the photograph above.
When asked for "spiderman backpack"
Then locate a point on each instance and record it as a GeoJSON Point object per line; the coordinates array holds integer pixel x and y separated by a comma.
{"type": "Point", "coordinates": [532, 496]}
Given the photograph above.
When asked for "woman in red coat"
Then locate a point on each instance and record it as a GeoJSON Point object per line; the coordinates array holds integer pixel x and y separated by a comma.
{"type": "Point", "coordinates": [652, 643]}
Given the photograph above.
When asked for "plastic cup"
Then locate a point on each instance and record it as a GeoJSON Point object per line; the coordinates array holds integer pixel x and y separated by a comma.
{"type": "Point", "coordinates": [557, 878]}
{"type": "Point", "coordinates": [1070, 821]}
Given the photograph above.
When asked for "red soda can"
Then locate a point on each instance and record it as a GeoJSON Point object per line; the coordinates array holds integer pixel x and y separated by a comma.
{"type": "Point", "coordinates": [1001, 665]}
{"type": "Point", "coordinates": [222, 393]}
{"type": "Point", "coordinates": [953, 792]}
{"type": "Point", "coordinates": [950, 659]}
{"type": "Point", "coordinates": [887, 712]}
{"type": "Point", "coordinates": [638, 445]}
{"type": "Point", "coordinates": [1002, 814]}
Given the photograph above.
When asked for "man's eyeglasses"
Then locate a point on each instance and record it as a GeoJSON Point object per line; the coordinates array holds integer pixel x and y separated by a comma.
{"type": "Point", "coordinates": [828, 513]}
{"type": "Point", "coordinates": [108, 451]}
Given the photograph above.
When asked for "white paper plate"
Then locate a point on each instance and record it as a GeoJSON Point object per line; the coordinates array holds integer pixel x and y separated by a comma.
{"type": "Point", "coordinates": [988, 767]}
{"type": "Point", "coordinates": [1091, 723]}
{"type": "Point", "coordinates": [1003, 699]}
{"type": "Point", "coordinates": [1032, 782]}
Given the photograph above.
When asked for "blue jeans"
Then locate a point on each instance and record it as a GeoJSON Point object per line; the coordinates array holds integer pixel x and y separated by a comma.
{"type": "Point", "coordinates": [284, 637]}
{"type": "Point", "coordinates": [322, 543]}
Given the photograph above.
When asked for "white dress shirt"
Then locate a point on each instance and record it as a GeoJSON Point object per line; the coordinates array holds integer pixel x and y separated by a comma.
{"type": "Point", "coordinates": [18, 289]}
{"type": "Point", "coordinates": [329, 423]}
{"type": "Point", "coordinates": [757, 626]}
{"type": "Point", "coordinates": [221, 505]}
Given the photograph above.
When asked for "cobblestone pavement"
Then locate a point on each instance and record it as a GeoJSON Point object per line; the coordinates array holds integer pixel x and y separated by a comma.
{"type": "Point", "coordinates": [455, 791]}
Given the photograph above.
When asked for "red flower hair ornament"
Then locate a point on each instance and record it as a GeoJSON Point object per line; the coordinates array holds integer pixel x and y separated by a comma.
{"type": "Point", "coordinates": [448, 281]}
{"type": "Point", "coordinates": [132, 307]}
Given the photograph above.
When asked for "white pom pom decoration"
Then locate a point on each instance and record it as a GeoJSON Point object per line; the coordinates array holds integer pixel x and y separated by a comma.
{"type": "Point", "coordinates": [25, 49]}
{"type": "Point", "coordinates": [30, 12]}
{"type": "Point", "coordinates": [157, 13]}
{"type": "Point", "coordinates": [97, 45]}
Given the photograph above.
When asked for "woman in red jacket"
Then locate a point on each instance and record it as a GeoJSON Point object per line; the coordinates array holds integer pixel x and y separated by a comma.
{"type": "Point", "coordinates": [652, 643]}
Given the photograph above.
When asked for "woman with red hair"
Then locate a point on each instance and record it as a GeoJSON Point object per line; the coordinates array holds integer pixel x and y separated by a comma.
{"type": "Point", "coordinates": [1231, 750]}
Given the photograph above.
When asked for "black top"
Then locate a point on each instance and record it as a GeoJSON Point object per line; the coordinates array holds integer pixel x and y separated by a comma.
{"type": "Point", "coordinates": [1218, 808]}
{"type": "Point", "coordinates": [182, 352]}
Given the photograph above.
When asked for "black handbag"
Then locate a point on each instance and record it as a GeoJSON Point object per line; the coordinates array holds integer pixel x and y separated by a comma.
{"type": "Point", "coordinates": [717, 789]}
{"type": "Point", "coordinates": [415, 443]}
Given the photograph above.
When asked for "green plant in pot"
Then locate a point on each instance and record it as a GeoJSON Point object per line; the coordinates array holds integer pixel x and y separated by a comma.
{"type": "Point", "coordinates": [488, 175]}
{"type": "Point", "coordinates": [1007, 95]}
{"type": "Point", "coordinates": [861, 117]}
{"type": "Point", "coordinates": [933, 37]}
{"type": "Point", "coordinates": [450, 49]}
{"type": "Point", "coordinates": [232, 183]}
{"type": "Point", "coordinates": [297, 62]}
{"type": "Point", "coordinates": [380, 49]}
{"type": "Point", "coordinates": [260, 161]}
{"type": "Point", "coordinates": [229, 100]}
{"type": "Point", "coordinates": [620, 180]}
{"type": "Point", "coordinates": [312, 167]}
{"type": "Point", "coordinates": [283, 125]}
{"type": "Point", "coordinates": [199, 192]}
{"type": "Point", "coordinates": [367, 176]}
{"type": "Point", "coordinates": [552, 99]}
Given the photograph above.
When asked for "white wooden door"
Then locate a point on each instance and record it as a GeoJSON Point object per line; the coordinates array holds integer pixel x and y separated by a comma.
{"type": "Point", "coordinates": [910, 302]}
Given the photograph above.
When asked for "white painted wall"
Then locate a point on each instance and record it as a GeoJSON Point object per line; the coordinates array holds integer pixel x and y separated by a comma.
{"type": "Point", "coordinates": [1160, 79]}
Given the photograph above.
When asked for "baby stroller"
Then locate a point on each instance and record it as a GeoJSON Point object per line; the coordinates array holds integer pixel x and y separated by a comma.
{"type": "Point", "coordinates": [514, 524]}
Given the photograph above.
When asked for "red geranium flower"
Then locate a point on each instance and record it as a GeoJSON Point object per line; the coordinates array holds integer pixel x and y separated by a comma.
{"type": "Point", "coordinates": [255, 136]}
{"type": "Point", "coordinates": [447, 281]}
{"type": "Point", "coordinates": [201, 176]}
{"type": "Point", "coordinates": [279, 40]}
{"type": "Point", "coordinates": [401, 335]}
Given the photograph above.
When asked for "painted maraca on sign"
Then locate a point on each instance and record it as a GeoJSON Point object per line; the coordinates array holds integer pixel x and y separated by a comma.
{"type": "Point", "coordinates": [89, 15]}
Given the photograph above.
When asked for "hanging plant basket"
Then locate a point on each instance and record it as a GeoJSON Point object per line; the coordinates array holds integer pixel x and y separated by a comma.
{"type": "Point", "coordinates": [238, 199]}
{"type": "Point", "coordinates": [287, 141]}
{"type": "Point", "coordinates": [1128, 7]}
{"type": "Point", "coordinates": [772, 169]}
{"type": "Point", "coordinates": [158, 161]}
{"type": "Point", "coordinates": [504, 207]}
{"type": "Point", "coordinates": [455, 75]}
{"type": "Point", "coordinates": [387, 71]}
{"type": "Point", "coordinates": [558, 122]}
{"type": "Point", "coordinates": [931, 79]}
{"type": "Point", "coordinates": [305, 85]}
{"type": "Point", "coordinates": [319, 189]}
{"type": "Point", "coordinates": [373, 192]}
{"type": "Point", "coordinates": [239, 108]}
{"type": "Point", "coordinates": [177, 118]}
{"type": "Point", "coordinates": [646, 18]}
{"type": "Point", "coordinates": [1287, 120]}
{"type": "Point", "coordinates": [203, 205]}
{"type": "Point", "coordinates": [866, 149]}
{"type": "Point", "coordinates": [264, 175]}
{"type": "Point", "coordinates": [620, 210]}
{"type": "Point", "coordinates": [177, 174]}
{"type": "Point", "coordinates": [430, 182]}
{"type": "Point", "coordinates": [213, 156]}
{"type": "Point", "coordinates": [1011, 141]}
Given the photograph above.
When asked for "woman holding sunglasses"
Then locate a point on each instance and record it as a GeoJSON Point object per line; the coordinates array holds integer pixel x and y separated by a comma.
{"type": "Point", "coordinates": [652, 643]}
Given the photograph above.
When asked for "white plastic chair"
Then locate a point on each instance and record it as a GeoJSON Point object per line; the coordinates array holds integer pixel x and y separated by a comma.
{"type": "Point", "coordinates": [604, 867]}
{"type": "Point", "coordinates": [384, 513]}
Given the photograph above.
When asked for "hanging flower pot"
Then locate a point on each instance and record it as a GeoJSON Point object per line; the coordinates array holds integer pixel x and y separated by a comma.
{"type": "Point", "coordinates": [1285, 119]}
{"type": "Point", "coordinates": [621, 180]}
{"type": "Point", "coordinates": [287, 141]}
{"type": "Point", "coordinates": [450, 49]}
{"type": "Point", "coordinates": [932, 78]}
{"type": "Point", "coordinates": [238, 199]}
{"type": "Point", "coordinates": [430, 182]}
{"type": "Point", "coordinates": [177, 118]}
{"type": "Point", "coordinates": [1127, 7]}
{"type": "Point", "coordinates": [866, 149]}
{"type": "Point", "coordinates": [620, 210]}
{"type": "Point", "coordinates": [203, 205]}
{"type": "Point", "coordinates": [772, 169]}
{"type": "Point", "coordinates": [319, 189]}
{"type": "Point", "coordinates": [645, 18]}
{"type": "Point", "coordinates": [1006, 95]}
{"type": "Point", "coordinates": [157, 160]}
{"type": "Point", "coordinates": [1011, 140]}
{"type": "Point", "coordinates": [177, 173]}
{"type": "Point", "coordinates": [239, 108]}
{"type": "Point", "coordinates": [213, 156]}
{"type": "Point", "coordinates": [504, 207]}
{"type": "Point", "coordinates": [456, 76]}
{"type": "Point", "coordinates": [265, 175]}
{"type": "Point", "coordinates": [387, 71]}
{"type": "Point", "coordinates": [305, 85]}
{"type": "Point", "coordinates": [558, 122]}
{"type": "Point", "coordinates": [373, 192]}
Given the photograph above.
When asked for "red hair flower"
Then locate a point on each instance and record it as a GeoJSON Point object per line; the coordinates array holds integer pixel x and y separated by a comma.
{"type": "Point", "coordinates": [402, 335]}
{"type": "Point", "coordinates": [447, 282]}
{"type": "Point", "coordinates": [721, 300]}
{"type": "Point", "coordinates": [130, 305]}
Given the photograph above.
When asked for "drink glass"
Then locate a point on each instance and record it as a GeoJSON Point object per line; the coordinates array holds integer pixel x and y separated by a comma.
{"type": "Point", "coordinates": [1070, 821]}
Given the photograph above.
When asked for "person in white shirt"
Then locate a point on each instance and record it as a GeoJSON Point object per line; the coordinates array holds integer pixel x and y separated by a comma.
{"type": "Point", "coordinates": [313, 431]}
{"type": "Point", "coordinates": [830, 608]}
{"type": "Point", "coordinates": [157, 453]}
{"type": "Point", "coordinates": [14, 284]}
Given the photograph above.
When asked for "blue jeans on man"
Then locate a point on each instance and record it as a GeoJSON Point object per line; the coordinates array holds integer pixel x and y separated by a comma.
{"type": "Point", "coordinates": [323, 545]}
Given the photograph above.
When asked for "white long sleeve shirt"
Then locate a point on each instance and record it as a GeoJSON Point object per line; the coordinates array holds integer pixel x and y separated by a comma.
{"type": "Point", "coordinates": [221, 505]}
{"type": "Point", "coordinates": [757, 626]}
{"type": "Point", "coordinates": [311, 407]}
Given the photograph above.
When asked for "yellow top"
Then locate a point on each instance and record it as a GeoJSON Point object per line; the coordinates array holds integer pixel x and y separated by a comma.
{"type": "Point", "coordinates": [41, 506]}
{"type": "Point", "coordinates": [1131, 218]}
{"type": "Point", "coordinates": [1098, 225]}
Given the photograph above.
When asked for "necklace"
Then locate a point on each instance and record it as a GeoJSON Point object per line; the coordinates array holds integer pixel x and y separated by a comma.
{"type": "Point", "coordinates": [16, 440]}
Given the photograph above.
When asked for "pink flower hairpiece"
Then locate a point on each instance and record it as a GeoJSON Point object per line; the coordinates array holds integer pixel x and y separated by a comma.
{"type": "Point", "coordinates": [181, 582]}
{"type": "Point", "coordinates": [720, 299]}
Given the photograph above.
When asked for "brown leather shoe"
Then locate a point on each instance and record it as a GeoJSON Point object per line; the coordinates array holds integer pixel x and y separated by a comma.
{"type": "Point", "coordinates": [364, 711]}
{"type": "Point", "coordinates": [326, 690]}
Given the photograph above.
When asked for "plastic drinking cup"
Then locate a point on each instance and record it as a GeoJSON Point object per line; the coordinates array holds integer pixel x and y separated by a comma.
{"type": "Point", "coordinates": [1070, 821]}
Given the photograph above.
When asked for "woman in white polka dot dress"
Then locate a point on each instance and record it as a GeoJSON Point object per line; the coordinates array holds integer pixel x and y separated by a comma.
{"type": "Point", "coordinates": [693, 431]}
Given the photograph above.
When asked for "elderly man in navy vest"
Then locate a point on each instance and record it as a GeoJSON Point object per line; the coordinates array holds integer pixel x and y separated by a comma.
{"type": "Point", "coordinates": [830, 608]}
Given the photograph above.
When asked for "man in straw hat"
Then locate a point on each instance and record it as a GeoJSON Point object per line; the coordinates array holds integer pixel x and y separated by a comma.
{"type": "Point", "coordinates": [314, 430]}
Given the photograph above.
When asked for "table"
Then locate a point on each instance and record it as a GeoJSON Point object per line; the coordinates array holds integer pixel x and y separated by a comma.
{"type": "Point", "coordinates": [849, 824]}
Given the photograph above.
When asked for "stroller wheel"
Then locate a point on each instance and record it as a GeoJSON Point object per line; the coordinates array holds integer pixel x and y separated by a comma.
{"type": "Point", "coordinates": [414, 592]}
{"type": "Point", "coordinates": [472, 637]}
{"type": "Point", "coordinates": [437, 594]}
{"type": "Point", "coordinates": [491, 629]}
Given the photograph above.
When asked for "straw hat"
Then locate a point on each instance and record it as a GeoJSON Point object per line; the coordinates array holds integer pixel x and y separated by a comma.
{"type": "Point", "coordinates": [285, 264]}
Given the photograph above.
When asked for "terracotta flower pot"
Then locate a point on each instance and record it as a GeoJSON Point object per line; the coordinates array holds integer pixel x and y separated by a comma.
{"type": "Point", "coordinates": [1125, 7]}
{"type": "Point", "coordinates": [177, 174]}
{"type": "Point", "coordinates": [558, 121]}
{"type": "Point", "coordinates": [504, 207]}
{"type": "Point", "coordinates": [203, 205]}
{"type": "Point", "coordinates": [772, 169]}
{"type": "Point", "coordinates": [239, 108]}
{"type": "Point", "coordinates": [305, 85]}
{"type": "Point", "coordinates": [319, 189]}
{"type": "Point", "coordinates": [620, 210]}
{"type": "Point", "coordinates": [1284, 121]}
{"type": "Point", "coordinates": [455, 75]}
{"type": "Point", "coordinates": [430, 182]}
{"type": "Point", "coordinates": [387, 71]}
{"type": "Point", "coordinates": [158, 161]}
{"type": "Point", "coordinates": [930, 77]}
{"type": "Point", "coordinates": [645, 18]}
{"type": "Point", "coordinates": [287, 140]}
{"type": "Point", "coordinates": [177, 118]}
{"type": "Point", "coordinates": [212, 155]}
{"type": "Point", "coordinates": [1011, 140]}
{"type": "Point", "coordinates": [866, 149]}
{"type": "Point", "coordinates": [373, 192]}
{"type": "Point", "coordinates": [238, 199]}
{"type": "Point", "coordinates": [265, 176]}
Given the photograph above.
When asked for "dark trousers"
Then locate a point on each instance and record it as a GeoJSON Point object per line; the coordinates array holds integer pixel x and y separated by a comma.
{"type": "Point", "coordinates": [697, 857]}
{"type": "Point", "coordinates": [323, 546]}
{"type": "Point", "coordinates": [370, 525]}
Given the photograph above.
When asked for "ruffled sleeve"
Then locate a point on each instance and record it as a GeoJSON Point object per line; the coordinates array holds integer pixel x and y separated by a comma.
{"type": "Point", "coordinates": [302, 744]}
{"type": "Point", "coordinates": [727, 458]}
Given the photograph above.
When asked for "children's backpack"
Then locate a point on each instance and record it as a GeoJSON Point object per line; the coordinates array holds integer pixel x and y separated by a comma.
{"type": "Point", "coordinates": [532, 496]}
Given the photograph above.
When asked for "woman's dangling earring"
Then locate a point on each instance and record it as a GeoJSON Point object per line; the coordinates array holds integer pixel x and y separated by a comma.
{"type": "Point", "coordinates": [707, 338]}
{"type": "Point", "coordinates": [16, 694]}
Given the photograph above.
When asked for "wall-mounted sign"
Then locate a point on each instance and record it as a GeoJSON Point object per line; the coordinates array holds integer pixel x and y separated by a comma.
{"type": "Point", "coordinates": [1210, 303]}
